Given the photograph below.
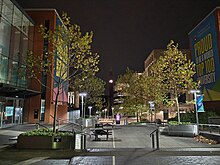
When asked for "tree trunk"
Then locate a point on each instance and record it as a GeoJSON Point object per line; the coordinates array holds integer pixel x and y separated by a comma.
{"type": "Point", "coordinates": [137, 117]}
{"type": "Point", "coordinates": [178, 109]}
{"type": "Point", "coordinates": [55, 110]}
{"type": "Point", "coordinates": [155, 115]}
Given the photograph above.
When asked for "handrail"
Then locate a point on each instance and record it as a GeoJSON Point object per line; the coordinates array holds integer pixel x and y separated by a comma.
{"type": "Point", "coordinates": [156, 131]}
{"type": "Point", "coordinates": [38, 124]}
{"type": "Point", "coordinates": [214, 125]}
{"type": "Point", "coordinates": [153, 131]}
{"type": "Point", "coordinates": [210, 127]}
{"type": "Point", "coordinates": [76, 126]}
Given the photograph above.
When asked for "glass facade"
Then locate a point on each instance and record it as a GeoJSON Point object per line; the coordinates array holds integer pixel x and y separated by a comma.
{"type": "Point", "coordinates": [16, 38]}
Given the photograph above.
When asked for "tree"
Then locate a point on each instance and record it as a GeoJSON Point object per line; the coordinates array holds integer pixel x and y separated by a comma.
{"type": "Point", "coordinates": [70, 56]}
{"type": "Point", "coordinates": [175, 72]}
{"type": "Point", "coordinates": [153, 90]}
{"type": "Point", "coordinates": [93, 86]}
{"type": "Point", "coordinates": [131, 87]}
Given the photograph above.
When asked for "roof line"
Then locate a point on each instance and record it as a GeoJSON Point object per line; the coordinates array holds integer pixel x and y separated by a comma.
{"type": "Point", "coordinates": [45, 9]}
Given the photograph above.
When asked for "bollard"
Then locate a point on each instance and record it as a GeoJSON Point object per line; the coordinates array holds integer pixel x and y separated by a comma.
{"type": "Point", "coordinates": [152, 140]}
{"type": "Point", "coordinates": [73, 144]}
{"type": "Point", "coordinates": [83, 141]}
{"type": "Point", "coordinates": [157, 137]}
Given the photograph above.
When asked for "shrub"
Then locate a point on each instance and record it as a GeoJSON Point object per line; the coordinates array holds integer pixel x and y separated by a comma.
{"type": "Point", "coordinates": [46, 132]}
{"type": "Point", "coordinates": [191, 117]}
{"type": "Point", "coordinates": [177, 123]}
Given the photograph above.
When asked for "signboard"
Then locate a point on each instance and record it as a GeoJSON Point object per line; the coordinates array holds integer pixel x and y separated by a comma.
{"type": "Point", "coordinates": [151, 104]}
{"type": "Point", "coordinates": [57, 139]}
{"type": "Point", "coordinates": [9, 110]}
{"type": "Point", "coordinates": [199, 103]}
{"type": "Point", "coordinates": [204, 48]}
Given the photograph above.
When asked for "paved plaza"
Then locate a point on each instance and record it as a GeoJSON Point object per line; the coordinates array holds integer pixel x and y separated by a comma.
{"type": "Point", "coordinates": [127, 145]}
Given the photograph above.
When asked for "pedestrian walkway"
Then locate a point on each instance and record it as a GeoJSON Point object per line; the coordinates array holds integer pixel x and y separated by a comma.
{"type": "Point", "coordinates": [139, 137]}
{"type": "Point", "coordinates": [128, 145]}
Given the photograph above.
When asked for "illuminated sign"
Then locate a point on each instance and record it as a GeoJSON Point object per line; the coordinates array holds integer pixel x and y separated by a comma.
{"type": "Point", "coordinates": [9, 110]}
{"type": "Point", "coordinates": [204, 48]}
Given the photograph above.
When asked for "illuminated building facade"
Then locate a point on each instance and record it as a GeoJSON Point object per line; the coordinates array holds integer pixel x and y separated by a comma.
{"type": "Point", "coordinates": [22, 99]}
{"type": "Point", "coordinates": [16, 37]}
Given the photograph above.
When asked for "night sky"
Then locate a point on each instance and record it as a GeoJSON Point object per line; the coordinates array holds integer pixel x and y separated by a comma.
{"type": "Point", "coordinates": [126, 31]}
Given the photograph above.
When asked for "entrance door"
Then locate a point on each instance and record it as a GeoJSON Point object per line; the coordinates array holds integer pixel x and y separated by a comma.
{"type": "Point", "coordinates": [18, 103]}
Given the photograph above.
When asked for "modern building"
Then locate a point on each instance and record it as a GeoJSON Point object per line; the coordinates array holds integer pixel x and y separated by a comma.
{"type": "Point", "coordinates": [16, 37]}
{"type": "Point", "coordinates": [205, 50]}
{"type": "Point", "coordinates": [23, 99]}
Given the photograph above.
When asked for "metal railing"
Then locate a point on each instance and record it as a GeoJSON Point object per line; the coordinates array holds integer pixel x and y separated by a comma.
{"type": "Point", "coordinates": [212, 128]}
{"type": "Point", "coordinates": [38, 125]}
{"type": "Point", "coordinates": [152, 135]}
{"type": "Point", "coordinates": [68, 123]}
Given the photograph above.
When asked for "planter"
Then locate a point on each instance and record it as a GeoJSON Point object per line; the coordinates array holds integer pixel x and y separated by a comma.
{"type": "Point", "coordinates": [45, 142]}
{"type": "Point", "coordinates": [183, 130]}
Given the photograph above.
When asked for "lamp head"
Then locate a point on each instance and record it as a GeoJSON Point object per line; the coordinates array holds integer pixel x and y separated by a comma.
{"type": "Point", "coordinates": [194, 91]}
{"type": "Point", "coordinates": [83, 94]}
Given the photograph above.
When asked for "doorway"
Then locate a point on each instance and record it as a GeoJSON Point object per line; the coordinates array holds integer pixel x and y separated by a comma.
{"type": "Point", "coordinates": [11, 111]}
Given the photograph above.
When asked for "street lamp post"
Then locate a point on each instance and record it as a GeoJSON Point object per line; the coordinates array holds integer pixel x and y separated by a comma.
{"type": "Point", "coordinates": [105, 112]}
{"type": "Point", "coordinates": [112, 112]}
{"type": "Point", "coordinates": [110, 99]}
{"type": "Point", "coordinates": [197, 116]}
{"type": "Point", "coordinates": [82, 96]}
{"type": "Point", "coordinates": [90, 110]}
{"type": "Point", "coordinates": [195, 95]}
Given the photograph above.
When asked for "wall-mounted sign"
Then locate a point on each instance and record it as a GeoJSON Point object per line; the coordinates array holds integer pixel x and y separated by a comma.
{"type": "Point", "coordinates": [205, 54]}
{"type": "Point", "coordinates": [9, 110]}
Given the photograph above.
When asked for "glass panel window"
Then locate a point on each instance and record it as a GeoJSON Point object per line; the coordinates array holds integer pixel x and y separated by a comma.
{"type": "Point", "coordinates": [25, 25]}
{"type": "Point", "coordinates": [22, 81]}
{"type": "Point", "coordinates": [23, 47]}
{"type": "Point", "coordinates": [17, 17]}
{"type": "Point", "coordinates": [14, 75]}
{"type": "Point", "coordinates": [3, 68]}
{"type": "Point", "coordinates": [31, 31]}
{"type": "Point", "coordinates": [7, 10]}
{"type": "Point", "coordinates": [1, 3]}
{"type": "Point", "coordinates": [15, 44]}
{"type": "Point", "coordinates": [30, 36]}
{"type": "Point", "coordinates": [5, 30]}
{"type": "Point", "coordinates": [5, 33]}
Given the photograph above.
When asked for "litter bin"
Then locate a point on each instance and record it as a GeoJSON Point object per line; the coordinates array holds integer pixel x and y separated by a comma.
{"type": "Point", "coordinates": [80, 141]}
